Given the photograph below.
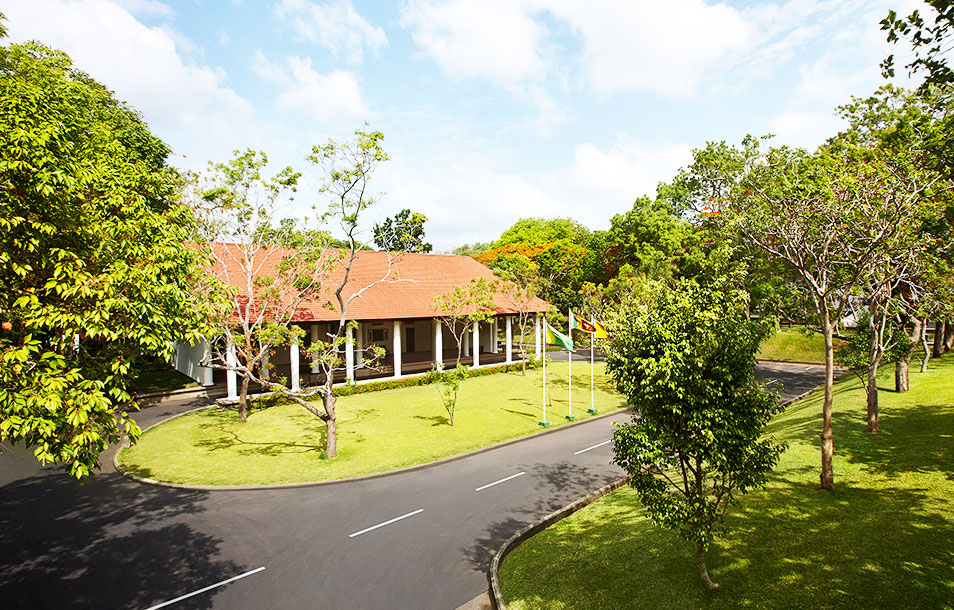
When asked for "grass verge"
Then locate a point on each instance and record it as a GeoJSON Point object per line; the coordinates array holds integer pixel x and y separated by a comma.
{"type": "Point", "coordinates": [794, 344]}
{"type": "Point", "coordinates": [883, 539]}
{"type": "Point", "coordinates": [378, 431]}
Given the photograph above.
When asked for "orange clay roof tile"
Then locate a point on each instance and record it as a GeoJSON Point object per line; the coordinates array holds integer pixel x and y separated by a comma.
{"type": "Point", "coordinates": [415, 280]}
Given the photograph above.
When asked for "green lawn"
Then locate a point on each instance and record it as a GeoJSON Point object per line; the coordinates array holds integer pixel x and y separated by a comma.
{"type": "Point", "coordinates": [883, 539]}
{"type": "Point", "coordinates": [794, 344]}
{"type": "Point", "coordinates": [378, 431]}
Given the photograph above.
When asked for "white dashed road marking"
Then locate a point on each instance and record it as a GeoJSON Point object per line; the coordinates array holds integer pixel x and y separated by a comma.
{"type": "Point", "coordinates": [593, 447]}
{"type": "Point", "coordinates": [513, 476]}
{"type": "Point", "coordinates": [388, 522]}
{"type": "Point", "coordinates": [203, 590]}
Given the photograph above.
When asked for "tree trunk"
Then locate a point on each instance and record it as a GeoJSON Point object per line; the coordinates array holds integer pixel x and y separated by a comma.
{"type": "Point", "coordinates": [703, 572]}
{"type": "Point", "coordinates": [875, 354]}
{"type": "Point", "coordinates": [871, 388]}
{"type": "Point", "coordinates": [331, 425]}
{"type": "Point", "coordinates": [901, 381]}
{"type": "Point", "coordinates": [926, 357]}
{"type": "Point", "coordinates": [827, 440]}
{"type": "Point", "coordinates": [948, 335]}
{"type": "Point", "coordinates": [938, 350]}
{"type": "Point", "coordinates": [243, 399]}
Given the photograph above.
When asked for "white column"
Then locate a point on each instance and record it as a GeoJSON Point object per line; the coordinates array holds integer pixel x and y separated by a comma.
{"type": "Point", "coordinates": [438, 342]}
{"type": "Point", "coordinates": [294, 355]}
{"type": "Point", "coordinates": [476, 348]}
{"type": "Point", "coordinates": [314, 339]}
{"type": "Point", "coordinates": [493, 337]}
{"type": "Point", "coordinates": [397, 348]}
{"type": "Point", "coordinates": [509, 339]}
{"type": "Point", "coordinates": [537, 329]}
{"type": "Point", "coordinates": [230, 380]}
{"type": "Point", "coordinates": [360, 347]}
{"type": "Point", "coordinates": [349, 353]}
{"type": "Point", "coordinates": [207, 357]}
{"type": "Point", "coordinates": [466, 345]}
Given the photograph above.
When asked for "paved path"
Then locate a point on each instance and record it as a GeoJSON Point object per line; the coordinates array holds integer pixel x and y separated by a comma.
{"type": "Point", "coordinates": [113, 543]}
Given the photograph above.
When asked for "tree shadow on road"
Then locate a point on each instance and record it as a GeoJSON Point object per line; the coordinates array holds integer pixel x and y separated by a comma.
{"type": "Point", "coordinates": [109, 543]}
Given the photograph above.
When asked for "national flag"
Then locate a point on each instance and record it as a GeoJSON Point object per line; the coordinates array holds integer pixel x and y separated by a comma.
{"type": "Point", "coordinates": [599, 330]}
{"type": "Point", "coordinates": [555, 337]}
{"type": "Point", "coordinates": [578, 322]}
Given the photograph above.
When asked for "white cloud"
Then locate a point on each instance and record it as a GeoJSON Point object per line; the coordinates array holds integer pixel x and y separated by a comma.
{"type": "Point", "coordinates": [477, 202]}
{"type": "Point", "coordinates": [844, 69]}
{"type": "Point", "coordinates": [336, 26]}
{"type": "Point", "coordinates": [152, 8]}
{"type": "Point", "coordinates": [334, 96]}
{"type": "Point", "coordinates": [144, 66]}
{"type": "Point", "coordinates": [661, 47]}
{"type": "Point", "coordinates": [496, 40]}
{"type": "Point", "coordinates": [606, 182]}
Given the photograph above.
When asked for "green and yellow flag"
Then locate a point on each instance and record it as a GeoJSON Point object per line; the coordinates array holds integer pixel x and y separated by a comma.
{"type": "Point", "coordinates": [554, 337]}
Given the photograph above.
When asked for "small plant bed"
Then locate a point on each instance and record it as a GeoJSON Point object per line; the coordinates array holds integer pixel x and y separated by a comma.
{"type": "Point", "coordinates": [794, 344]}
{"type": "Point", "coordinates": [882, 539]}
{"type": "Point", "coordinates": [378, 431]}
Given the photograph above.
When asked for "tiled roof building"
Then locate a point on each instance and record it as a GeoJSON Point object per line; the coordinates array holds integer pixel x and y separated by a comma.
{"type": "Point", "coordinates": [399, 314]}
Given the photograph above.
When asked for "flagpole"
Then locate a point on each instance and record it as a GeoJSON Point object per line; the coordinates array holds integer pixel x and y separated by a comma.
{"type": "Point", "coordinates": [543, 330]}
{"type": "Point", "coordinates": [569, 363]}
{"type": "Point", "coordinates": [592, 349]}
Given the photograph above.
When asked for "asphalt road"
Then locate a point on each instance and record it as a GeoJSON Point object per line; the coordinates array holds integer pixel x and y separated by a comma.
{"type": "Point", "coordinates": [419, 540]}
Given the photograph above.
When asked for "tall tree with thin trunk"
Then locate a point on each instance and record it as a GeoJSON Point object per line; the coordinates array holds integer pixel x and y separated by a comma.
{"type": "Point", "coordinates": [282, 266]}
{"type": "Point", "coordinates": [829, 215]}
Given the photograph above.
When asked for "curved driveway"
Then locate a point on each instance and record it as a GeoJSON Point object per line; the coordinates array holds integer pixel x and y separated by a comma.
{"type": "Point", "coordinates": [113, 543]}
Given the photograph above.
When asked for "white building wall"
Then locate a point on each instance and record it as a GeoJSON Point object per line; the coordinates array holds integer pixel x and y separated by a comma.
{"type": "Point", "coordinates": [187, 361]}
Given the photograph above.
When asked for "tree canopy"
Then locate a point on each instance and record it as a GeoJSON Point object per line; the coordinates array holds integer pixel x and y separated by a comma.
{"type": "Point", "coordinates": [683, 355]}
{"type": "Point", "coordinates": [402, 233]}
{"type": "Point", "coordinates": [94, 269]}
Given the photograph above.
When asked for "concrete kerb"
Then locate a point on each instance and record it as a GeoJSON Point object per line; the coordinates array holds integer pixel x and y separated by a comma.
{"type": "Point", "coordinates": [377, 475]}
{"type": "Point", "coordinates": [496, 596]}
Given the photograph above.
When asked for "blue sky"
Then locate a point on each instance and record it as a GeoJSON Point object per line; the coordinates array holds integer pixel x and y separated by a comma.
{"type": "Point", "coordinates": [492, 110]}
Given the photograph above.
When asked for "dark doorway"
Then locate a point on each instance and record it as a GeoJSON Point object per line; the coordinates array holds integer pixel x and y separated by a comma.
{"type": "Point", "coordinates": [409, 344]}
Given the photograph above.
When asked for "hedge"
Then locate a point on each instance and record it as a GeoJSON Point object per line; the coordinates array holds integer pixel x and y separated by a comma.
{"type": "Point", "coordinates": [271, 399]}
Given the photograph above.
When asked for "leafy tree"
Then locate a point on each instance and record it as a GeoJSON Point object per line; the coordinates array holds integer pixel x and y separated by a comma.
{"type": "Point", "coordinates": [404, 233]}
{"type": "Point", "coordinates": [347, 169]}
{"type": "Point", "coordinates": [275, 266]}
{"type": "Point", "coordinates": [460, 309]}
{"type": "Point", "coordinates": [93, 266]}
{"type": "Point", "coordinates": [653, 241]}
{"type": "Point", "coordinates": [829, 216]}
{"type": "Point", "coordinates": [473, 250]}
{"type": "Point", "coordinates": [683, 355]}
{"type": "Point", "coordinates": [281, 266]}
{"type": "Point", "coordinates": [927, 38]}
{"type": "Point", "coordinates": [520, 285]}
{"type": "Point", "coordinates": [900, 132]}
{"type": "Point", "coordinates": [542, 230]}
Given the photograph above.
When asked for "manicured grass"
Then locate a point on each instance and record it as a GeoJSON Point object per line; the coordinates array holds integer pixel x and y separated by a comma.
{"type": "Point", "coordinates": [883, 539]}
{"type": "Point", "coordinates": [794, 344]}
{"type": "Point", "coordinates": [378, 431]}
{"type": "Point", "coordinates": [163, 380]}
